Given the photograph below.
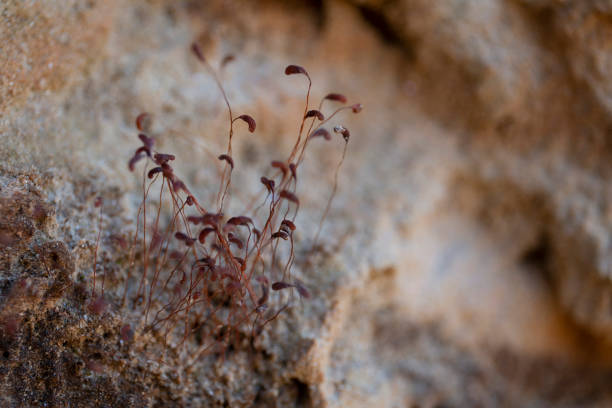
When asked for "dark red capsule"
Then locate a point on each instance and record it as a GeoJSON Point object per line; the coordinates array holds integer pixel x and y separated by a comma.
{"type": "Point", "coordinates": [289, 224]}
{"type": "Point", "coordinates": [264, 296]}
{"type": "Point", "coordinates": [195, 48]}
{"type": "Point", "coordinates": [235, 240]}
{"type": "Point", "coordinates": [194, 219]}
{"type": "Point", "coordinates": [257, 233]}
{"type": "Point", "coordinates": [302, 289]}
{"type": "Point", "coordinates": [204, 233]}
{"type": "Point", "coordinates": [268, 183]}
{"type": "Point", "coordinates": [143, 122]}
{"type": "Point", "coordinates": [280, 234]}
{"type": "Point", "coordinates": [343, 131]}
{"type": "Point", "coordinates": [228, 159]}
{"type": "Point", "coordinates": [280, 165]}
{"type": "Point", "coordinates": [212, 218]}
{"type": "Point", "coordinates": [249, 120]}
{"type": "Point", "coordinates": [134, 160]}
{"type": "Point", "coordinates": [314, 113]}
{"type": "Point", "coordinates": [288, 195]}
{"type": "Point", "coordinates": [336, 97]}
{"type": "Point", "coordinates": [153, 172]}
{"type": "Point", "coordinates": [295, 69]}
{"type": "Point", "coordinates": [163, 158]}
{"type": "Point", "coordinates": [240, 220]}
{"type": "Point", "coordinates": [227, 59]}
{"type": "Point", "coordinates": [321, 132]}
{"type": "Point", "coordinates": [281, 285]}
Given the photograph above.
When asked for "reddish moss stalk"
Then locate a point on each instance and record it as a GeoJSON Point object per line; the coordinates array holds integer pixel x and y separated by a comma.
{"type": "Point", "coordinates": [198, 269]}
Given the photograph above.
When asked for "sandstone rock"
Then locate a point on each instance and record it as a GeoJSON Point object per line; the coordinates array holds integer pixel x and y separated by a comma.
{"type": "Point", "coordinates": [465, 261]}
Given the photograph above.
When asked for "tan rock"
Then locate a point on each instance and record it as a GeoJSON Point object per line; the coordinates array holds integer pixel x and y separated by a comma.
{"type": "Point", "coordinates": [465, 260]}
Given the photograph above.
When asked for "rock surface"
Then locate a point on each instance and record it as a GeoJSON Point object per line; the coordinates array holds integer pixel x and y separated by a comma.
{"type": "Point", "coordinates": [467, 256]}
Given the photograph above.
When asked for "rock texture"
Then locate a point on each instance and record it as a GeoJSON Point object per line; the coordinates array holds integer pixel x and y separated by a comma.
{"type": "Point", "coordinates": [466, 258]}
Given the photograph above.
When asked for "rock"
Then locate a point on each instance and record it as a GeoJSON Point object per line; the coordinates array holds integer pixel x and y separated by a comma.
{"type": "Point", "coordinates": [44, 46]}
{"type": "Point", "coordinates": [465, 259]}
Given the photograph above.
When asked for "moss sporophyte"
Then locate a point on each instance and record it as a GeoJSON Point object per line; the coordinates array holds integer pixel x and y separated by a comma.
{"type": "Point", "coordinates": [205, 275]}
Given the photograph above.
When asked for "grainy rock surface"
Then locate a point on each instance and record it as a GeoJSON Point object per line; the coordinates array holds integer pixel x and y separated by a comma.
{"type": "Point", "coordinates": [467, 256]}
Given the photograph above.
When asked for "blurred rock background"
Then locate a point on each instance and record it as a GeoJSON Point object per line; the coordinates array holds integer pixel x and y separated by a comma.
{"type": "Point", "coordinates": [468, 252]}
